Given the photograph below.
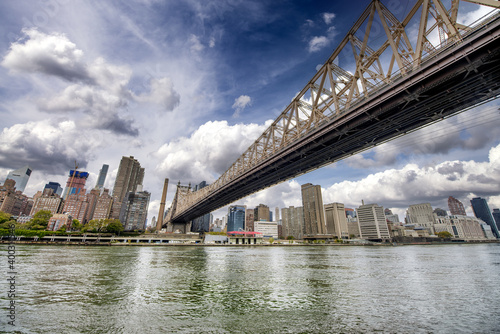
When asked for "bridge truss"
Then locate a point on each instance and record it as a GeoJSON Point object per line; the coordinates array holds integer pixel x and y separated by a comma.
{"type": "Point", "coordinates": [383, 80]}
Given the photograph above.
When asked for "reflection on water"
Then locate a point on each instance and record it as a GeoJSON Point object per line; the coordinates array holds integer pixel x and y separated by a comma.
{"type": "Point", "coordinates": [290, 289]}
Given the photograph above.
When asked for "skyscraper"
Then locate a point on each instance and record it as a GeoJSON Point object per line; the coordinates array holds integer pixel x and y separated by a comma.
{"type": "Point", "coordinates": [456, 207]}
{"type": "Point", "coordinates": [249, 219]}
{"type": "Point", "coordinates": [482, 211]}
{"type": "Point", "coordinates": [236, 218]}
{"type": "Point", "coordinates": [312, 202]}
{"type": "Point", "coordinates": [102, 176]}
{"type": "Point", "coordinates": [55, 186]}
{"type": "Point", "coordinates": [21, 176]}
{"type": "Point", "coordinates": [75, 184]}
{"type": "Point", "coordinates": [130, 175]}
{"type": "Point", "coordinates": [261, 213]}
{"type": "Point", "coordinates": [293, 222]}
{"type": "Point", "coordinates": [134, 210]}
{"type": "Point", "coordinates": [336, 221]}
{"type": "Point", "coordinates": [372, 223]}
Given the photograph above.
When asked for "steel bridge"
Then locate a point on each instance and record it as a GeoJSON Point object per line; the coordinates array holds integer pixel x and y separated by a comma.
{"type": "Point", "coordinates": [383, 80]}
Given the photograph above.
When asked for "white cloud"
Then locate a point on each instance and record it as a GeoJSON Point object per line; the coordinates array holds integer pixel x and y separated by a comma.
{"type": "Point", "coordinates": [196, 45]}
{"type": "Point", "coordinates": [328, 17]}
{"type": "Point", "coordinates": [415, 184]}
{"type": "Point", "coordinates": [48, 146]}
{"type": "Point", "coordinates": [471, 17]}
{"type": "Point", "coordinates": [317, 43]}
{"type": "Point", "coordinates": [240, 104]}
{"type": "Point", "coordinates": [99, 89]}
{"type": "Point", "coordinates": [162, 93]}
{"type": "Point", "coordinates": [52, 54]}
{"type": "Point", "coordinates": [207, 153]}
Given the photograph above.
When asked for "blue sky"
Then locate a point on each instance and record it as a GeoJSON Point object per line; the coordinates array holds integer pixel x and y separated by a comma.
{"type": "Point", "coordinates": [187, 86]}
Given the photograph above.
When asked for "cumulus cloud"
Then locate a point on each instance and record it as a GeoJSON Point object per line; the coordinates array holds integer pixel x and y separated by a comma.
{"type": "Point", "coordinates": [317, 43]}
{"type": "Point", "coordinates": [282, 196]}
{"type": "Point", "coordinates": [207, 153]}
{"type": "Point", "coordinates": [162, 93]}
{"type": "Point", "coordinates": [328, 17]}
{"type": "Point", "coordinates": [47, 146]}
{"type": "Point", "coordinates": [52, 54]}
{"type": "Point", "coordinates": [240, 104]}
{"type": "Point", "coordinates": [412, 184]}
{"type": "Point", "coordinates": [98, 88]}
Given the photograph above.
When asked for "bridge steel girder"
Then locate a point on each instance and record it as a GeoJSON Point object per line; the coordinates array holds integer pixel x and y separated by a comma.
{"type": "Point", "coordinates": [458, 78]}
{"type": "Point", "coordinates": [341, 112]}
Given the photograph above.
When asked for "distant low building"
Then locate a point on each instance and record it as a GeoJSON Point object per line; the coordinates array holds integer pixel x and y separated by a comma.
{"type": "Point", "coordinates": [268, 229]}
{"type": "Point", "coordinates": [59, 220]}
{"type": "Point", "coordinates": [463, 227]}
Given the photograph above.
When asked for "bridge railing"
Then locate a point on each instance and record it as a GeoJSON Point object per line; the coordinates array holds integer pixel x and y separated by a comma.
{"type": "Point", "coordinates": [334, 91]}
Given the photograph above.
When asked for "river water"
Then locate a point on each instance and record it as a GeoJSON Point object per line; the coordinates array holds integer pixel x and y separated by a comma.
{"type": "Point", "coordinates": [251, 289]}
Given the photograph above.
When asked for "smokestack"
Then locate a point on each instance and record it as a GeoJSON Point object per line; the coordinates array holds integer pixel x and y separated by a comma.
{"type": "Point", "coordinates": [159, 222]}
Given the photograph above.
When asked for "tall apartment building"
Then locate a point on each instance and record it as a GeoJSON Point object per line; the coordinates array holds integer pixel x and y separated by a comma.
{"type": "Point", "coordinates": [75, 184]}
{"type": "Point", "coordinates": [372, 222]}
{"type": "Point", "coordinates": [292, 221]}
{"type": "Point", "coordinates": [421, 215]}
{"type": "Point", "coordinates": [81, 206]}
{"type": "Point", "coordinates": [134, 210]}
{"type": "Point", "coordinates": [130, 175]}
{"type": "Point", "coordinates": [261, 213]}
{"type": "Point", "coordinates": [13, 201]}
{"type": "Point", "coordinates": [482, 211]}
{"type": "Point", "coordinates": [103, 205]}
{"type": "Point", "coordinates": [249, 220]}
{"type": "Point", "coordinates": [456, 207]}
{"type": "Point", "coordinates": [21, 176]}
{"type": "Point", "coordinates": [277, 214]}
{"type": "Point", "coordinates": [47, 201]}
{"type": "Point", "coordinates": [336, 221]}
{"type": "Point", "coordinates": [103, 172]}
{"type": "Point", "coordinates": [314, 216]}
{"type": "Point", "coordinates": [236, 218]}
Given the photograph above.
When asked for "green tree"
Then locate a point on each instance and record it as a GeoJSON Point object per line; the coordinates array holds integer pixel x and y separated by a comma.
{"type": "Point", "coordinates": [290, 237]}
{"type": "Point", "coordinates": [271, 240]}
{"type": "Point", "coordinates": [76, 226]}
{"type": "Point", "coordinates": [41, 217]}
{"type": "Point", "coordinates": [6, 220]}
{"type": "Point", "coordinates": [40, 220]}
{"type": "Point", "coordinates": [96, 225]}
{"type": "Point", "coordinates": [115, 226]}
{"type": "Point", "coordinates": [444, 235]}
{"type": "Point", "coordinates": [4, 217]}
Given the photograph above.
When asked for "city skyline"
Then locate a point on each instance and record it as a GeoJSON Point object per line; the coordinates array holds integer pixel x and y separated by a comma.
{"type": "Point", "coordinates": [186, 98]}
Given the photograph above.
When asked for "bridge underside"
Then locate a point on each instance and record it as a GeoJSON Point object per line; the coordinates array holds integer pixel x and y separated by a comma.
{"type": "Point", "coordinates": [453, 81]}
